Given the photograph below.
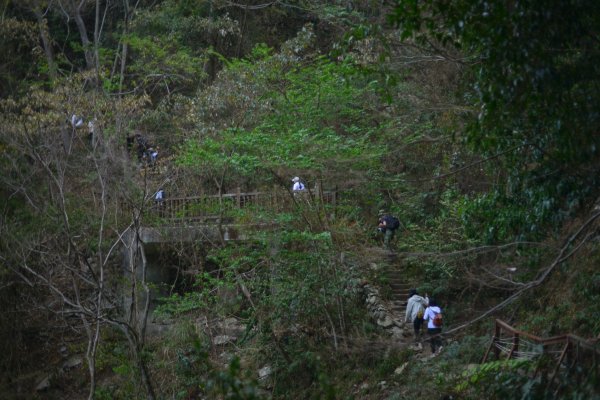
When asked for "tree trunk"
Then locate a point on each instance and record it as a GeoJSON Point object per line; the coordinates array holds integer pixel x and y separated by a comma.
{"type": "Point", "coordinates": [97, 42]}
{"type": "Point", "coordinates": [85, 40]}
{"type": "Point", "coordinates": [46, 42]}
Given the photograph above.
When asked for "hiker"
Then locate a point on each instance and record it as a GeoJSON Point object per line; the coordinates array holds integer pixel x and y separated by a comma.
{"type": "Point", "coordinates": [153, 155]}
{"type": "Point", "coordinates": [92, 131]}
{"type": "Point", "coordinates": [76, 121]}
{"type": "Point", "coordinates": [415, 310]}
{"type": "Point", "coordinates": [159, 200]}
{"type": "Point", "coordinates": [298, 186]}
{"type": "Point", "coordinates": [387, 225]}
{"type": "Point", "coordinates": [433, 316]}
{"type": "Point", "coordinates": [142, 146]}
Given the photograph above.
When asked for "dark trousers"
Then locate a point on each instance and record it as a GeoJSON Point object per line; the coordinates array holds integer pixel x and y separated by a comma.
{"type": "Point", "coordinates": [417, 323]}
{"type": "Point", "coordinates": [435, 338]}
{"type": "Point", "coordinates": [388, 236]}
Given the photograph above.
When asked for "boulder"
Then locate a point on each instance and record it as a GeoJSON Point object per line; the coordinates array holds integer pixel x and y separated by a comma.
{"type": "Point", "coordinates": [44, 384]}
{"type": "Point", "coordinates": [220, 340]}
{"type": "Point", "coordinates": [397, 333]}
{"type": "Point", "coordinates": [72, 362]}
{"type": "Point", "coordinates": [400, 369]}
{"type": "Point", "coordinates": [385, 322]}
{"type": "Point", "coordinates": [231, 327]}
{"type": "Point", "coordinates": [265, 372]}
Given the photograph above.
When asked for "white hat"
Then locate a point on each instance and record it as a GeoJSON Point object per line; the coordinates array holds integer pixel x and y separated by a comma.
{"type": "Point", "coordinates": [296, 179]}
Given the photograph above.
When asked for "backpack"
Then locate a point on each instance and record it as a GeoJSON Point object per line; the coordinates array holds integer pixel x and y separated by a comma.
{"type": "Point", "coordinates": [392, 222]}
{"type": "Point", "coordinates": [437, 320]}
{"type": "Point", "coordinates": [420, 313]}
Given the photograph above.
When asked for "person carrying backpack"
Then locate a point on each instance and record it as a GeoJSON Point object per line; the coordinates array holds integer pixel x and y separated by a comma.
{"type": "Point", "coordinates": [387, 225]}
{"type": "Point", "coordinates": [415, 310]}
{"type": "Point", "coordinates": [298, 186]}
{"type": "Point", "coordinates": [433, 316]}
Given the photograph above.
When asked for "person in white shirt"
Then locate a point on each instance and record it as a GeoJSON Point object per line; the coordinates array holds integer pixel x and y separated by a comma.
{"type": "Point", "coordinates": [415, 310]}
{"type": "Point", "coordinates": [76, 121]}
{"type": "Point", "coordinates": [159, 200]}
{"type": "Point", "coordinates": [298, 186]}
{"type": "Point", "coordinates": [433, 330]}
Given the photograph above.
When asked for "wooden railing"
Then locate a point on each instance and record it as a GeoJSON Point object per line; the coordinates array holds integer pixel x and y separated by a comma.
{"type": "Point", "coordinates": [210, 207]}
{"type": "Point", "coordinates": [567, 350]}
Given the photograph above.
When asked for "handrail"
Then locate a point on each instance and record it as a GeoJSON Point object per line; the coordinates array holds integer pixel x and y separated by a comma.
{"type": "Point", "coordinates": [216, 196]}
{"type": "Point", "coordinates": [193, 207]}
{"type": "Point", "coordinates": [570, 344]}
{"type": "Point", "coordinates": [549, 340]}
{"type": "Point", "coordinates": [232, 195]}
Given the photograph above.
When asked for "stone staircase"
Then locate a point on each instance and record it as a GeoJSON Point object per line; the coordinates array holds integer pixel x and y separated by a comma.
{"type": "Point", "coordinates": [399, 291]}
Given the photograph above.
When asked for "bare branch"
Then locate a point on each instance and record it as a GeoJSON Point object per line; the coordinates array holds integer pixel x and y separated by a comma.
{"type": "Point", "coordinates": [562, 256]}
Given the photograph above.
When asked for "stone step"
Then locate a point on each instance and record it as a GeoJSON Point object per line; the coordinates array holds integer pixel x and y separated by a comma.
{"type": "Point", "coordinates": [399, 291]}
{"type": "Point", "coordinates": [399, 288]}
{"type": "Point", "coordinates": [395, 275]}
{"type": "Point", "coordinates": [399, 283]}
{"type": "Point", "coordinates": [400, 294]}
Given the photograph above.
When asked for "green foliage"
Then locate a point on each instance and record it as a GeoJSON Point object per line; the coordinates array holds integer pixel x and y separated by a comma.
{"type": "Point", "coordinates": [205, 296]}
{"type": "Point", "coordinates": [159, 63]}
{"type": "Point", "coordinates": [515, 379]}
{"type": "Point", "coordinates": [191, 24]}
{"type": "Point", "coordinates": [496, 218]}
{"type": "Point", "coordinates": [587, 288]}
{"type": "Point", "coordinates": [233, 384]}
{"type": "Point", "coordinates": [499, 379]}
{"type": "Point", "coordinates": [313, 123]}
{"type": "Point", "coordinates": [307, 374]}
{"type": "Point", "coordinates": [113, 356]}
{"type": "Point", "coordinates": [535, 85]}
{"type": "Point", "coordinates": [20, 54]}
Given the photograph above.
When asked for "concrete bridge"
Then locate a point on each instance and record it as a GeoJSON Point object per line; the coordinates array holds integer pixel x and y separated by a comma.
{"type": "Point", "coordinates": [202, 219]}
{"type": "Point", "coordinates": [208, 218]}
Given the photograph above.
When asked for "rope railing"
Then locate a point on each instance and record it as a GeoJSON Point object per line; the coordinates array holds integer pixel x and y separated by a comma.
{"type": "Point", "coordinates": [568, 350]}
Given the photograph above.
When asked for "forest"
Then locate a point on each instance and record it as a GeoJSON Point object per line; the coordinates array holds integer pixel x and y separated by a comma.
{"type": "Point", "coordinates": [193, 195]}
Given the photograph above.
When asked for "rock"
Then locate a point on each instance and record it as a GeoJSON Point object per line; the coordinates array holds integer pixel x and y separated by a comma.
{"type": "Point", "coordinates": [201, 325]}
{"type": "Point", "coordinates": [400, 369]}
{"type": "Point", "coordinates": [223, 339]}
{"type": "Point", "coordinates": [385, 322]}
{"type": "Point", "coordinates": [397, 333]}
{"type": "Point", "coordinates": [231, 327]}
{"type": "Point", "coordinates": [265, 372]}
{"type": "Point", "coordinates": [399, 324]}
{"type": "Point", "coordinates": [44, 384]}
{"type": "Point", "coordinates": [72, 362]}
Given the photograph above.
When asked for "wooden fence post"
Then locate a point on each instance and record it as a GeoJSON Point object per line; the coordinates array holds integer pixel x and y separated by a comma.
{"type": "Point", "coordinates": [515, 346]}
{"type": "Point", "coordinates": [493, 344]}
